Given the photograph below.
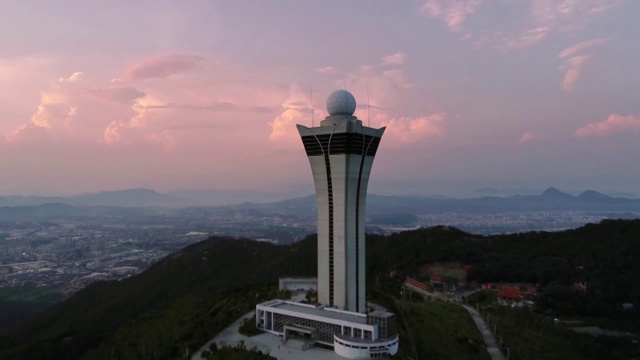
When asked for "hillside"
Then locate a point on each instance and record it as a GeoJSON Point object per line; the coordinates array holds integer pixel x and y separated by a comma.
{"type": "Point", "coordinates": [183, 300]}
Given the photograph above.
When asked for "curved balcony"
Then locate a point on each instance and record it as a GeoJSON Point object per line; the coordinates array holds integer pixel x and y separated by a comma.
{"type": "Point", "coordinates": [355, 348]}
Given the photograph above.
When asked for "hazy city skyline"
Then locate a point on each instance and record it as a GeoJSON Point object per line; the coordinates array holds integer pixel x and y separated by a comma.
{"type": "Point", "coordinates": [206, 94]}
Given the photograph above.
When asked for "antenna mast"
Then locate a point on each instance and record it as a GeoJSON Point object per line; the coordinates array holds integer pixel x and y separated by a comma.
{"type": "Point", "coordinates": [368, 108]}
{"type": "Point", "coordinates": [312, 108]}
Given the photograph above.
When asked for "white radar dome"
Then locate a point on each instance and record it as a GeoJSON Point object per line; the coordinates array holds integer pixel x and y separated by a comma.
{"type": "Point", "coordinates": [341, 102]}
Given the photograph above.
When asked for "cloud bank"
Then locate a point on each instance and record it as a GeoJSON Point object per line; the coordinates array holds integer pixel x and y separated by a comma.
{"type": "Point", "coordinates": [615, 124]}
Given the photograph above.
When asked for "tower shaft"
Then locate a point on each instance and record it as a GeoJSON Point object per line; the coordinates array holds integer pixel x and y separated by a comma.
{"type": "Point", "coordinates": [341, 153]}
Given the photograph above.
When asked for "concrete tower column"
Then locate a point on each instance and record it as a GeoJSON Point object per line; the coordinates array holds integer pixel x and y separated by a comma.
{"type": "Point", "coordinates": [341, 152]}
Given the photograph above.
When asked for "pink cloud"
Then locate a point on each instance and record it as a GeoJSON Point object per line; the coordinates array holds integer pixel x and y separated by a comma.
{"type": "Point", "coordinates": [164, 138]}
{"type": "Point", "coordinates": [113, 132]}
{"type": "Point", "coordinates": [453, 12]}
{"type": "Point", "coordinates": [296, 109]}
{"type": "Point", "coordinates": [569, 15]}
{"type": "Point", "coordinates": [543, 18]}
{"type": "Point", "coordinates": [395, 59]}
{"type": "Point", "coordinates": [29, 131]}
{"type": "Point", "coordinates": [528, 38]}
{"type": "Point", "coordinates": [71, 109]}
{"type": "Point", "coordinates": [75, 77]}
{"type": "Point", "coordinates": [527, 137]}
{"type": "Point", "coordinates": [161, 67]}
{"type": "Point", "coordinates": [576, 66]}
{"type": "Point", "coordinates": [327, 70]}
{"type": "Point", "coordinates": [406, 130]}
{"type": "Point", "coordinates": [124, 95]}
{"type": "Point", "coordinates": [613, 125]}
{"type": "Point", "coordinates": [582, 46]}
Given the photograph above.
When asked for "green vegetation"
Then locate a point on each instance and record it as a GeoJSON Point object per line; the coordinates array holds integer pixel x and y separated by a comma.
{"type": "Point", "coordinates": [530, 335]}
{"type": "Point", "coordinates": [441, 330]}
{"type": "Point", "coordinates": [603, 256]}
{"type": "Point", "coordinates": [32, 294]}
{"type": "Point", "coordinates": [20, 303]}
{"type": "Point", "coordinates": [184, 300]}
{"type": "Point", "coordinates": [239, 352]}
{"type": "Point", "coordinates": [178, 304]}
{"type": "Point", "coordinates": [249, 328]}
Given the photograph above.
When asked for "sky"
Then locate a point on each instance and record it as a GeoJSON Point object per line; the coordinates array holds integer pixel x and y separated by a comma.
{"type": "Point", "coordinates": [475, 94]}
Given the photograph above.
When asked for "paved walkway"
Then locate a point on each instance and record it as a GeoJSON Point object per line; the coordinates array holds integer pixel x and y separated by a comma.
{"type": "Point", "coordinates": [489, 340]}
{"type": "Point", "coordinates": [266, 343]}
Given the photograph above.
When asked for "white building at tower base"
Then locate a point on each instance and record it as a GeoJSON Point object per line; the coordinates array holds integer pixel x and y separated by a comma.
{"type": "Point", "coordinates": [351, 335]}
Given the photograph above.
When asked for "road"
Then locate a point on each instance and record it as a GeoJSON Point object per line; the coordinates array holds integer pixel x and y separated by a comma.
{"type": "Point", "coordinates": [489, 340]}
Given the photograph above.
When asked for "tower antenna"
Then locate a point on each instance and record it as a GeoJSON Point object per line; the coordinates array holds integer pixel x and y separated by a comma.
{"type": "Point", "coordinates": [312, 108]}
{"type": "Point", "coordinates": [344, 83]}
{"type": "Point", "coordinates": [368, 107]}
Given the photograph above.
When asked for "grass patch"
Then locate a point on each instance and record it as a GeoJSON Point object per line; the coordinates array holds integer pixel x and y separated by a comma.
{"type": "Point", "coordinates": [441, 330]}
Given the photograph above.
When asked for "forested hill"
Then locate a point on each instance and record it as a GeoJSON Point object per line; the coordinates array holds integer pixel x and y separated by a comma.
{"type": "Point", "coordinates": [185, 299]}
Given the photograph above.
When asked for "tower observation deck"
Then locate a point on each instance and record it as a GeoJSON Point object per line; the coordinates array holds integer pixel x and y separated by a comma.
{"type": "Point", "coordinates": [341, 152]}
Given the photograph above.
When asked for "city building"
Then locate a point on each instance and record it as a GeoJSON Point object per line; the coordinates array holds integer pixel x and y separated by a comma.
{"type": "Point", "coordinates": [341, 152]}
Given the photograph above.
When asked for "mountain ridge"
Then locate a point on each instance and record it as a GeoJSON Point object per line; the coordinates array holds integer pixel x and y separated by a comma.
{"type": "Point", "coordinates": [550, 199]}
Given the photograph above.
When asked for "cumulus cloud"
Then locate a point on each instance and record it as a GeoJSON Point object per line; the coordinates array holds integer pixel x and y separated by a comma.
{"type": "Point", "coordinates": [405, 130]}
{"type": "Point", "coordinates": [164, 138]}
{"type": "Point", "coordinates": [124, 95]}
{"type": "Point", "coordinates": [54, 111]}
{"type": "Point", "coordinates": [75, 77]}
{"type": "Point", "coordinates": [29, 131]}
{"type": "Point", "coordinates": [395, 59]}
{"type": "Point", "coordinates": [576, 66]}
{"type": "Point", "coordinates": [453, 12]}
{"type": "Point", "coordinates": [161, 67]}
{"type": "Point", "coordinates": [113, 132]}
{"type": "Point", "coordinates": [613, 125]}
{"type": "Point", "coordinates": [295, 109]}
{"type": "Point", "coordinates": [71, 109]}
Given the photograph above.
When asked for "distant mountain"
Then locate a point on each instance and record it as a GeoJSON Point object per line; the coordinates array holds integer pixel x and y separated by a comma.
{"type": "Point", "coordinates": [40, 211]}
{"type": "Point", "coordinates": [549, 200]}
{"type": "Point", "coordinates": [17, 200]}
{"type": "Point", "coordinates": [593, 196]}
{"type": "Point", "coordinates": [553, 193]}
{"type": "Point", "coordinates": [121, 198]}
{"type": "Point", "coordinates": [213, 197]}
{"type": "Point", "coordinates": [492, 191]}
{"type": "Point", "coordinates": [127, 198]}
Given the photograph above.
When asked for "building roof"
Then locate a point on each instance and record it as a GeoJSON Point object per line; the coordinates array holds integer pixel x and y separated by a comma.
{"type": "Point", "coordinates": [319, 311]}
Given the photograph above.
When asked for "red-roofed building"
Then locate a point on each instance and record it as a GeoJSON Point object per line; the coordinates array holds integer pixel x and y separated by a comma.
{"type": "Point", "coordinates": [416, 283]}
{"type": "Point", "coordinates": [510, 293]}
